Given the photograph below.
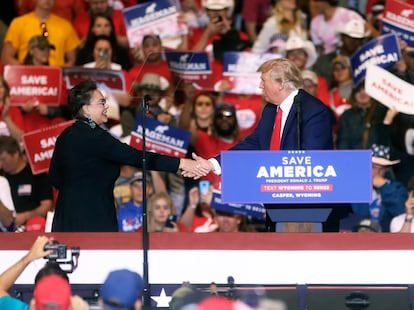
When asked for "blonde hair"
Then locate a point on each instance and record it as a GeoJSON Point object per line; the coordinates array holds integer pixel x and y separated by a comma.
{"type": "Point", "coordinates": [284, 71]}
{"type": "Point", "coordinates": [286, 26]}
{"type": "Point", "coordinates": [151, 205]}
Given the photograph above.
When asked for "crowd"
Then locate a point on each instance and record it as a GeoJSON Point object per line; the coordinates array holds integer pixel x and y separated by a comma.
{"type": "Point", "coordinates": [121, 289]}
{"type": "Point", "coordinates": [317, 37]}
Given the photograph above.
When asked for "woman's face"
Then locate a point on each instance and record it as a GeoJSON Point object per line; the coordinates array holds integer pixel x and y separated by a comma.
{"type": "Point", "coordinates": [341, 73]}
{"type": "Point", "coordinates": [287, 4]}
{"type": "Point", "coordinates": [40, 56]}
{"type": "Point", "coordinates": [97, 108]}
{"type": "Point", "coordinates": [102, 50]}
{"type": "Point", "coordinates": [203, 107]}
{"type": "Point", "coordinates": [362, 98]}
{"type": "Point", "coordinates": [101, 27]}
{"type": "Point", "coordinates": [161, 210]}
{"type": "Point", "coordinates": [228, 222]}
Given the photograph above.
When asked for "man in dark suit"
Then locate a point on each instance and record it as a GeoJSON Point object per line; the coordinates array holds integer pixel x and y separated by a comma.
{"type": "Point", "coordinates": [304, 123]}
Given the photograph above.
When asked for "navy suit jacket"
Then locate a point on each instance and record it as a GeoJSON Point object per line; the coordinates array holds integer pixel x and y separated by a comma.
{"type": "Point", "coordinates": [315, 129]}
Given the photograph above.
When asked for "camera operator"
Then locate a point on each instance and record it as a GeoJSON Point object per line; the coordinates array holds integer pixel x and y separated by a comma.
{"type": "Point", "coordinates": [10, 275]}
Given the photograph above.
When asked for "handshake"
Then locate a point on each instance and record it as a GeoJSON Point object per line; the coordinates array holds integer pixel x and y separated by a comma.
{"type": "Point", "coordinates": [195, 168]}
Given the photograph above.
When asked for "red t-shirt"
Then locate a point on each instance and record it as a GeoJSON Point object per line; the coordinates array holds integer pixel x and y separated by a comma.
{"type": "Point", "coordinates": [136, 73]}
{"type": "Point", "coordinates": [83, 20]}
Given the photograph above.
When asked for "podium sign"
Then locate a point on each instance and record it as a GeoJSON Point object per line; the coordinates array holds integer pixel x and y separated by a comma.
{"type": "Point", "coordinates": [296, 177]}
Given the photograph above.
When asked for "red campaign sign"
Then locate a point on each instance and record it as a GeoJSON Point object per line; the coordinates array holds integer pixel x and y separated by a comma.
{"type": "Point", "coordinates": [113, 79]}
{"type": "Point", "coordinates": [40, 144]}
{"type": "Point", "coordinates": [42, 83]}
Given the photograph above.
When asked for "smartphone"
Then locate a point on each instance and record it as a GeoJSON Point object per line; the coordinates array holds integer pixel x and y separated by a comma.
{"type": "Point", "coordinates": [104, 53]}
{"type": "Point", "coordinates": [204, 189]}
{"type": "Point", "coordinates": [172, 218]}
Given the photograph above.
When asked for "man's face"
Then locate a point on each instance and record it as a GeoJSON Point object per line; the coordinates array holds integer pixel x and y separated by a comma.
{"type": "Point", "coordinates": [136, 191]}
{"type": "Point", "coordinates": [45, 4]}
{"type": "Point", "coordinates": [98, 6]}
{"type": "Point", "coordinates": [298, 56]}
{"type": "Point", "coordinates": [350, 44]}
{"type": "Point", "coordinates": [225, 122]}
{"type": "Point", "coordinates": [152, 50]}
{"type": "Point", "coordinates": [272, 90]}
{"type": "Point", "coordinates": [9, 162]}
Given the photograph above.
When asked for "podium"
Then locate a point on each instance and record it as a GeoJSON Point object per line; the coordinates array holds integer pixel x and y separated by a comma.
{"type": "Point", "coordinates": [307, 219]}
{"type": "Point", "coordinates": [302, 187]}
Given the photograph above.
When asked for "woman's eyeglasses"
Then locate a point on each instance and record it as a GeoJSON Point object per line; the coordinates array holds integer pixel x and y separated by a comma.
{"type": "Point", "coordinates": [101, 102]}
{"type": "Point", "coordinates": [45, 33]}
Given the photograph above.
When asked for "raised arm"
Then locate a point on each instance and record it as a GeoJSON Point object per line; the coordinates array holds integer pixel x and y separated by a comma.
{"type": "Point", "coordinates": [10, 275]}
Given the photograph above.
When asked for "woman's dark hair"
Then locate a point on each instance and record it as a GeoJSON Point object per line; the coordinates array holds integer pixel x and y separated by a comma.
{"type": "Point", "coordinates": [80, 95]}
{"type": "Point", "coordinates": [85, 54]}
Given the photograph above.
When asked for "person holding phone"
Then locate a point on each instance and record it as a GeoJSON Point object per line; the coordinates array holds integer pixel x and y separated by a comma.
{"type": "Point", "coordinates": [198, 216]}
{"type": "Point", "coordinates": [102, 54]}
{"type": "Point", "coordinates": [162, 215]}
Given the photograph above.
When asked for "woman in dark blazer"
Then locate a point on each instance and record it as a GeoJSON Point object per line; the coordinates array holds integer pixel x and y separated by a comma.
{"type": "Point", "coordinates": [86, 162]}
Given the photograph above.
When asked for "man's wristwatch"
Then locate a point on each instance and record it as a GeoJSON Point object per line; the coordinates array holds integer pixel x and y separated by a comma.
{"type": "Point", "coordinates": [408, 219]}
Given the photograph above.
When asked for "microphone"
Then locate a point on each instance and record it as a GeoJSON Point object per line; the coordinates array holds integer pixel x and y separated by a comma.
{"type": "Point", "coordinates": [145, 103]}
{"type": "Point", "coordinates": [297, 103]}
{"type": "Point", "coordinates": [231, 293]}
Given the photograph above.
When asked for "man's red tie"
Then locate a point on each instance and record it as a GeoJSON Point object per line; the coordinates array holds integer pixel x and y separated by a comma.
{"type": "Point", "coordinates": [275, 142]}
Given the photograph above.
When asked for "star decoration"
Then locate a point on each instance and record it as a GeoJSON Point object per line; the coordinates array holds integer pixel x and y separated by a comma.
{"type": "Point", "coordinates": [163, 300]}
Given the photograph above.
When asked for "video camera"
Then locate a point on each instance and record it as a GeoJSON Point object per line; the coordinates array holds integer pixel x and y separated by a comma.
{"type": "Point", "coordinates": [59, 254]}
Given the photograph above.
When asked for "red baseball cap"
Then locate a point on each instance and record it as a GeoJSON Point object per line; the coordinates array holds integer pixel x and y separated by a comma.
{"type": "Point", "coordinates": [36, 224]}
{"type": "Point", "coordinates": [52, 292]}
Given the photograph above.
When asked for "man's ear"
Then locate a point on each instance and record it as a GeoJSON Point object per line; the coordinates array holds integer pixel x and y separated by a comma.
{"type": "Point", "coordinates": [138, 304]}
{"type": "Point", "coordinates": [32, 304]}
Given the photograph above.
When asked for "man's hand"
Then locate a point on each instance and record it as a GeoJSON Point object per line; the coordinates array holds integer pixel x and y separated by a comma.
{"type": "Point", "coordinates": [38, 249]}
{"type": "Point", "coordinates": [196, 168]}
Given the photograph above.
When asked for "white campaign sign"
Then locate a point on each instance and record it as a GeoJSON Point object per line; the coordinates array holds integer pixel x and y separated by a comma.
{"type": "Point", "coordinates": [390, 90]}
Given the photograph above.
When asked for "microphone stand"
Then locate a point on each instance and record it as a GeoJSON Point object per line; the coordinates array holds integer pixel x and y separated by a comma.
{"type": "Point", "coordinates": [145, 243]}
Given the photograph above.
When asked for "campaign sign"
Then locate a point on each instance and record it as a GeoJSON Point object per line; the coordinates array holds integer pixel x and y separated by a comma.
{"type": "Point", "coordinates": [296, 176]}
{"type": "Point", "coordinates": [41, 83]}
{"type": "Point", "coordinates": [40, 144]}
{"type": "Point", "coordinates": [390, 90]}
{"type": "Point", "coordinates": [254, 210]}
{"type": "Point", "coordinates": [112, 79]}
{"type": "Point", "coordinates": [153, 17]}
{"type": "Point", "coordinates": [398, 18]}
{"type": "Point", "coordinates": [192, 67]}
{"type": "Point", "coordinates": [160, 138]}
{"type": "Point", "coordinates": [240, 70]}
{"type": "Point", "coordinates": [383, 51]}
